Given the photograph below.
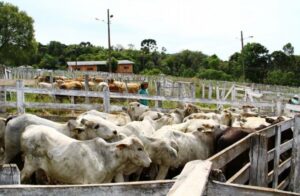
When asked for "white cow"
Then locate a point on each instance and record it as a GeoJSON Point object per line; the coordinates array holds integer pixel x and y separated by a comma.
{"type": "Point", "coordinates": [159, 151]}
{"type": "Point", "coordinates": [119, 119]}
{"type": "Point", "coordinates": [191, 146]}
{"type": "Point", "coordinates": [135, 110]}
{"type": "Point", "coordinates": [77, 162]}
{"type": "Point", "coordinates": [254, 122]}
{"type": "Point", "coordinates": [16, 126]}
{"type": "Point", "coordinates": [2, 130]}
{"type": "Point", "coordinates": [152, 114]}
{"type": "Point", "coordinates": [224, 118]}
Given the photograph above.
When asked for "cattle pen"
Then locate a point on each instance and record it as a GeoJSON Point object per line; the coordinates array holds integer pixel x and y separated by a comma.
{"type": "Point", "coordinates": [271, 164]}
{"type": "Point", "coordinates": [260, 175]}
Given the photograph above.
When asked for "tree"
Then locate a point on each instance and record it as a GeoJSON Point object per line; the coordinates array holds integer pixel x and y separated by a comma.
{"type": "Point", "coordinates": [280, 60]}
{"type": "Point", "coordinates": [148, 45]}
{"type": "Point", "coordinates": [212, 74]}
{"type": "Point", "coordinates": [288, 49]}
{"type": "Point", "coordinates": [49, 62]}
{"type": "Point", "coordinates": [17, 43]}
{"type": "Point", "coordinates": [256, 61]}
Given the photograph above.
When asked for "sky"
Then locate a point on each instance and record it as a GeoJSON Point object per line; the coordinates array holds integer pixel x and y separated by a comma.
{"type": "Point", "coordinates": [209, 26]}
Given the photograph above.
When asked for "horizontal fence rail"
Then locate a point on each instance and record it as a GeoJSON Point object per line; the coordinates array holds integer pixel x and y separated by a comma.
{"type": "Point", "coordinates": [256, 171]}
{"type": "Point", "coordinates": [21, 90]}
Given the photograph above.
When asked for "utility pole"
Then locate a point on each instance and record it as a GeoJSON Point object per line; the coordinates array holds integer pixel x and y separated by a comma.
{"type": "Point", "coordinates": [242, 40]}
{"type": "Point", "coordinates": [243, 63]}
{"type": "Point", "coordinates": [109, 46]}
{"type": "Point", "coordinates": [242, 44]}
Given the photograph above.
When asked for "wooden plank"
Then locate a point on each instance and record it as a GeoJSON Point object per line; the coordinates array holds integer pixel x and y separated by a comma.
{"type": "Point", "coordinates": [283, 166]}
{"type": "Point", "coordinates": [295, 159]}
{"type": "Point", "coordinates": [20, 97]}
{"type": "Point", "coordinates": [145, 188]}
{"type": "Point", "coordinates": [193, 90]}
{"type": "Point", "coordinates": [8, 104]}
{"type": "Point", "coordinates": [9, 174]}
{"type": "Point", "coordinates": [86, 88]}
{"type": "Point", "coordinates": [292, 107]}
{"type": "Point", "coordinates": [258, 157]}
{"type": "Point", "coordinates": [106, 100]}
{"type": "Point", "coordinates": [223, 157]}
{"type": "Point", "coordinates": [203, 90]}
{"type": "Point", "coordinates": [283, 184]}
{"type": "Point", "coordinates": [132, 96]}
{"type": "Point", "coordinates": [222, 189]}
{"type": "Point", "coordinates": [63, 106]}
{"type": "Point", "coordinates": [209, 91]}
{"type": "Point", "coordinates": [241, 177]}
{"type": "Point", "coordinates": [283, 148]}
{"type": "Point", "coordinates": [270, 131]}
{"type": "Point", "coordinates": [192, 180]}
{"type": "Point", "coordinates": [276, 155]}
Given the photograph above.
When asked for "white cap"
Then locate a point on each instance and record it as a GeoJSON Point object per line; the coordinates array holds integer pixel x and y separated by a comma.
{"type": "Point", "coordinates": [295, 96]}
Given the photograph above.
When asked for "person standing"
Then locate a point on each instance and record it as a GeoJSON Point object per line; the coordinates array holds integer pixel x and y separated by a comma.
{"type": "Point", "coordinates": [143, 91]}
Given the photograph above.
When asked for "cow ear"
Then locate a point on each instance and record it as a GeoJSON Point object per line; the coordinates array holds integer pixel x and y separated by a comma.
{"type": "Point", "coordinates": [122, 146]}
{"type": "Point", "coordinates": [89, 124]}
{"type": "Point", "coordinates": [124, 109]}
{"type": "Point", "coordinates": [159, 115]}
{"type": "Point", "coordinates": [96, 126]}
{"type": "Point", "coordinates": [83, 121]}
{"type": "Point", "coordinates": [79, 130]}
{"type": "Point", "coordinates": [208, 126]}
{"type": "Point", "coordinates": [200, 129]}
{"type": "Point", "coordinates": [174, 145]}
{"type": "Point", "coordinates": [72, 124]}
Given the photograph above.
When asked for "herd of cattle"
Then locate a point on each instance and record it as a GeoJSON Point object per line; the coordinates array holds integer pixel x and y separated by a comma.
{"type": "Point", "coordinates": [94, 83]}
{"type": "Point", "coordinates": [99, 147]}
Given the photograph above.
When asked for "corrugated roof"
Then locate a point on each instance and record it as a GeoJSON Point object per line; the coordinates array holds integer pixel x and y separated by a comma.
{"type": "Point", "coordinates": [80, 63]}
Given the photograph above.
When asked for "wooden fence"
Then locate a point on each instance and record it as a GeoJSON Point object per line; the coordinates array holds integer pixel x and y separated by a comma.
{"type": "Point", "coordinates": [254, 177]}
{"type": "Point", "coordinates": [28, 73]}
{"type": "Point", "coordinates": [20, 89]}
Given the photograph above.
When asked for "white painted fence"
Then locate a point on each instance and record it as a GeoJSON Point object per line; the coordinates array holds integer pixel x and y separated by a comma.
{"type": "Point", "coordinates": [21, 104]}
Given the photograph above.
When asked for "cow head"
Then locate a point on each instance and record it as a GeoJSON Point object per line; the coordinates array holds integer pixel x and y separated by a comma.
{"type": "Point", "coordinates": [133, 149]}
{"type": "Point", "coordinates": [95, 129]}
{"type": "Point", "coordinates": [162, 152]}
{"type": "Point", "coordinates": [135, 110]}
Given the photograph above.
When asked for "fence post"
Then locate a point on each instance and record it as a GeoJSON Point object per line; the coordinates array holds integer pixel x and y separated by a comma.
{"type": "Point", "coordinates": [276, 155]}
{"type": "Point", "coordinates": [9, 174]}
{"type": "Point", "coordinates": [51, 77]}
{"type": "Point", "coordinates": [295, 158]}
{"type": "Point", "coordinates": [158, 104]}
{"type": "Point", "coordinates": [223, 90]}
{"type": "Point", "coordinates": [210, 91]}
{"type": "Point", "coordinates": [203, 90]}
{"type": "Point", "coordinates": [258, 163]}
{"type": "Point", "coordinates": [86, 87]}
{"type": "Point", "coordinates": [217, 92]}
{"type": "Point", "coordinates": [106, 100]}
{"type": "Point", "coordinates": [179, 89]}
{"type": "Point", "coordinates": [233, 93]}
{"type": "Point", "coordinates": [193, 91]}
{"type": "Point", "coordinates": [20, 97]}
{"type": "Point", "coordinates": [3, 98]}
{"type": "Point", "coordinates": [278, 105]}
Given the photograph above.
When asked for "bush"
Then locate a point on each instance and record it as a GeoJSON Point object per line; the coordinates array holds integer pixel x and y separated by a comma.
{"type": "Point", "coordinates": [212, 74]}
